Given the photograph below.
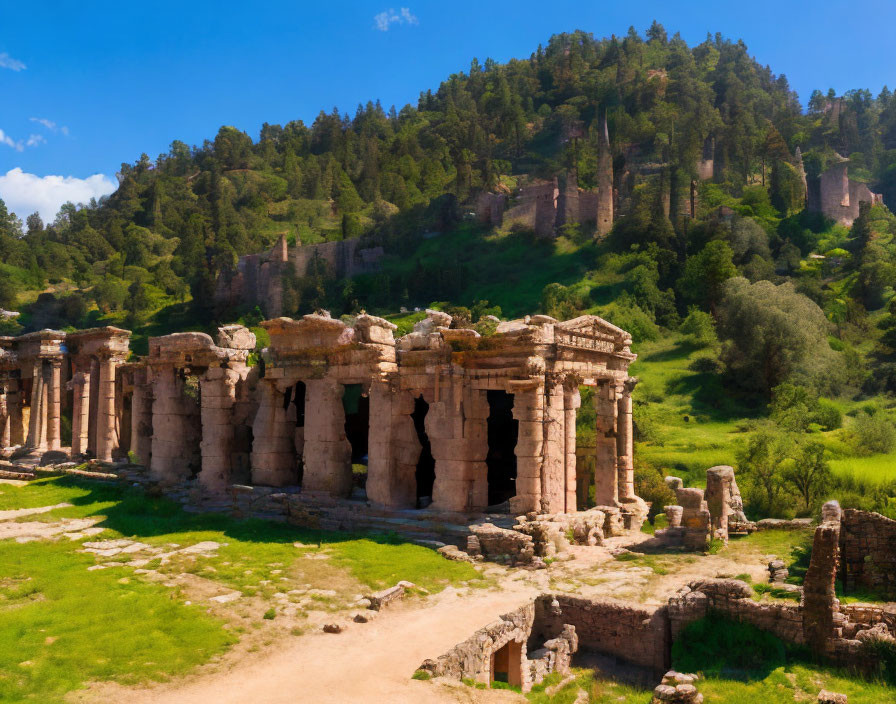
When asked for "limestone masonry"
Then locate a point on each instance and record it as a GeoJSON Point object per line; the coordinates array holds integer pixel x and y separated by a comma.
{"type": "Point", "coordinates": [442, 418]}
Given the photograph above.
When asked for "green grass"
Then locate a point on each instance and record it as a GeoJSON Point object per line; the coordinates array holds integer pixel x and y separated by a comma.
{"type": "Point", "coordinates": [62, 626]}
{"type": "Point", "coordinates": [875, 468]}
{"type": "Point", "coordinates": [695, 424]}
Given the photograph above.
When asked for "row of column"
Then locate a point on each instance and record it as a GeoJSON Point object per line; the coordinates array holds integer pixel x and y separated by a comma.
{"type": "Point", "coordinates": [457, 428]}
{"type": "Point", "coordinates": [614, 475]}
{"type": "Point", "coordinates": [179, 427]}
{"type": "Point", "coordinates": [94, 414]}
{"type": "Point", "coordinates": [456, 425]}
{"type": "Point", "coordinates": [12, 432]}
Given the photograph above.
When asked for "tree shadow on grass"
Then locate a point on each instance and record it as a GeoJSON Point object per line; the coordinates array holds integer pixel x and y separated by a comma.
{"type": "Point", "coordinates": [135, 513]}
{"type": "Point", "coordinates": [717, 401]}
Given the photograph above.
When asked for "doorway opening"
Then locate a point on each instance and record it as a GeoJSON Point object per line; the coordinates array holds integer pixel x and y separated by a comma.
{"type": "Point", "coordinates": [294, 403]}
{"type": "Point", "coordinates": [506, 664]}
{"type": "Point", "coordinates": [426, 464]}
{"type": "Point", "coordinates": [503, 430]}
{"type": "Point", "coordinates": [357, 421]}
{"type": "Point", "coordinates": [356, 405]}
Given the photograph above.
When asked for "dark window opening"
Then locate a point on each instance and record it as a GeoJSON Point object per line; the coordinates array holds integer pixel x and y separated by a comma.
{"type": "Point", "coordinates": [298, 398]}
{"type": "Point", "coordinates": [426, 465]}
{"type": "Point", "coordinates": [503, 430]}
{"type": "Point", "coordinates": [357, 421]}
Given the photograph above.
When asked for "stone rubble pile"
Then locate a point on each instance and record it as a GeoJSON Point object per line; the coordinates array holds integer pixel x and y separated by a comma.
{"type": "Point", "coordinates": [677, 688]}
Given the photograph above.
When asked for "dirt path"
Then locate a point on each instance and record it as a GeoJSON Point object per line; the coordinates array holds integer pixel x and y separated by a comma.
{"type": "Point", "coordinates": [370, 663]}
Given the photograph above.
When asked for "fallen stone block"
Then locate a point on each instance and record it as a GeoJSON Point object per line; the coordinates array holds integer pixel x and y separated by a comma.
{"type": "Point", "coordinates": [381, 599]}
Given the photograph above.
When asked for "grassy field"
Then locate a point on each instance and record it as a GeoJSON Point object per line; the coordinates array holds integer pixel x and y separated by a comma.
{"type": "Point", "coordinates": [63, 625]}
{"type": "Point", "coordinates": [693, 422]}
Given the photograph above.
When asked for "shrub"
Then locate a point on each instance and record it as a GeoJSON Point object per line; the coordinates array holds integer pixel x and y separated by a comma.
{"type": "Point", "coordinates": [699, 328]}
{"type": "Point", "coordinates": [270, 614]}
{"type": "Point", "coordinates": [706, 365]}
{"type": "Point", "coordinates": [827, 415]}
{"type": "Point", "coordinates": [873, 433]}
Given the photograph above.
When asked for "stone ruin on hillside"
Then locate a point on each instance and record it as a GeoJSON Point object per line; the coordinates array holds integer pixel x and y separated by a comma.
{"type": "Point", "coordinates": [443, 418]}
{"type": "Point", "coordinates": [258, 279]}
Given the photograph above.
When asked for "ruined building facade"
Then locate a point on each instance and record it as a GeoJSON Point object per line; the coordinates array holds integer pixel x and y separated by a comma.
{"type": "Point", "coordinates": [837, 196]}
{"type": "Point", "coordinates": [441, 417]}
{"type": "Point", "coordinates": [258, 279]}
{"type": "Point", "coordinates": [545, 206]}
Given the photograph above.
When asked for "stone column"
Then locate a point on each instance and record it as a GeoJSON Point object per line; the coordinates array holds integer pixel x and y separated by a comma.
{"type": "Point", "coordinates": [35, 411]}
{"type": "Point", "coordinates": [553, 487]}
{"type": "Point", "coordinates": [571, 403]}
{"type": "Point", "coordinates": [106, 430]}
{"type": "Point", "coordinates": [14, 407]}
{"type": "Point", "coordinates": [54, 405]}
{"type": "Point", "coordinates": [170, 456]}
{"type": "Point", "coordinates": [606, 484]}
{"type": "Point", "coordinates": [273, 459]}
{"type": "Point", "coordinates": [93, 373]}
{"type": "Point", "coordinates": [625, 443]}
{"type": "Point", "coordinates": [393, 448]}
{"type": "Point", "coordinates": [328, 454]}
{"type": "Point", "coordinates": [80, 412]}
{"type": "Point", "coordinates": [217, 395]}
{"type": "Point", "coordinates": [528, 409]}
{"type": "Point", "coordinates": [141, 418]}
{"type": "Point", "coordinates": [4, 418]}
{"type": "Point", "coordinates": [457, 428]}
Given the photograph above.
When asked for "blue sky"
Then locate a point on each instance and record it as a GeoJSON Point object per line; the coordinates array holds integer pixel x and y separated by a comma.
{"type": "Point", "coordinates": [85, 86]}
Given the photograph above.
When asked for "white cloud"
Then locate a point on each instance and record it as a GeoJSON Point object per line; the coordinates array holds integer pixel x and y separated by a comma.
{"type": "Point", "coordinates": [385, 19]}
{"type": "Point", "coordinates": [6, 61]}
{"type": "Point", "coordinates": [50, 125]}
{"type": "Point", "coordinates": [35, 140]}
{"type": "Point", "coordinates": [26, 193]}
{"type": "Point", "coordinates": [10, 142]}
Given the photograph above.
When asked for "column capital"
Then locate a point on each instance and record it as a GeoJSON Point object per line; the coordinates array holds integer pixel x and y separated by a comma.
{"type": "Point", "coordinates": [630, 383]}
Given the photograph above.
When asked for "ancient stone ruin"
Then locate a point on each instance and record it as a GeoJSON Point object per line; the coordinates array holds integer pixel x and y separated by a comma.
{"type": "Point", "coordinates": [258, 279]}
{"type": "Point", "coordinates": [442, 418]}
{"type": "Point", "coordinates": [837, 196]}
{"type": "Point", "coordinates": [544, 206]}
{"type": "Point", "coordinates": [521, 648]}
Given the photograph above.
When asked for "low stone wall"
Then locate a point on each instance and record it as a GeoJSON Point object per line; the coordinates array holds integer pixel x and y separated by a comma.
{"type": "Point", "coordinates": [632, 633]}
{"type": "Point", "coordinates": [733, 598]}
{"type": "Point", "coordinates": [868, 552]}
{"type": "Point", "coordinates": [511, 642]}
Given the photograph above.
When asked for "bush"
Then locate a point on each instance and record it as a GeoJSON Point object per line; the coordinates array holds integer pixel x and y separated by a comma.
{"type": "Point", "coordinates": [827, 415]}
{"type": "Point", "coordinates": [706, 365]}
{"type": "Point", "coordinates": [873, 433]}
{"type": "Point", "coordinates": [699, 328]}
{"type": "Point", "coordinates": [651, 486]}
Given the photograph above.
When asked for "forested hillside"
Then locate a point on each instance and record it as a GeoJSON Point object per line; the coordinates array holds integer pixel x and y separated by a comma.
{"type": "Point", "coordinates": [754, 307]}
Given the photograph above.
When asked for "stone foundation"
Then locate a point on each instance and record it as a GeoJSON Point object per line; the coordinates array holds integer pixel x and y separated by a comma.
{"type": "Point", "coordinates": [512, 649]}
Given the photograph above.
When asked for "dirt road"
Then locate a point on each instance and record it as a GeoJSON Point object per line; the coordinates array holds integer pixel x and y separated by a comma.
{"type": "Point", "coordinates": [370, 663]}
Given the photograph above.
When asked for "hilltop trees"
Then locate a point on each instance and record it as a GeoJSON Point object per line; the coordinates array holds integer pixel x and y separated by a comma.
{"type": "Point", "coordinates": [772, 334]}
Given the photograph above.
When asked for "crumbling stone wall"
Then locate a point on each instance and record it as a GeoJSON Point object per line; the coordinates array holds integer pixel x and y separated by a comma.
{"type": "Point", "coordinates": [837, 196]}
{"type": "Point", "coordinates": [258, 279]}
{"type": "Point", "coordinates": [633, 633]}
{"type": "Point", "coordinates": [733, 598]}
{"type": "Point", "coordinates": [868, 552]}
{"type": "Point", "coordinates": [531, 658]}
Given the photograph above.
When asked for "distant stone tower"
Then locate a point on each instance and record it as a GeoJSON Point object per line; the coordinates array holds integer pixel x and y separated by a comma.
{"type": "Point", "coordinates": [604, 181]}
{"type": "Point", "coordinates": [568, 202]}
{"type": "Point", "coordinates": [801, 170]}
